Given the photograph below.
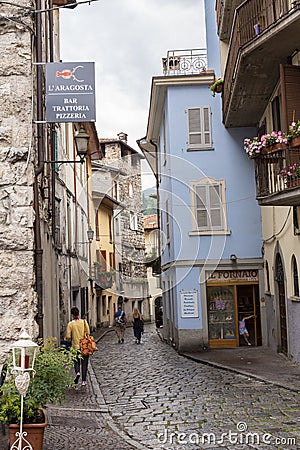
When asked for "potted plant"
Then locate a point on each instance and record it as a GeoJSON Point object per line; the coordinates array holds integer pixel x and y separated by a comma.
{"type": "Point", "coordinates": [293, 135]}
{"type": "Point", "coordinates": [291, 175]}
{"type": "Point", "coordinates": [253, 147]}
{"type": "Point", "coordinates": [275, 140]}
{"type": "Point", "coordinates": [48, 385]}
{"type": "Point", "coordinates": [216, 87]}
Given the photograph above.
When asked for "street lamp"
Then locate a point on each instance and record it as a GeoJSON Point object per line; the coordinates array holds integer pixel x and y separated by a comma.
{"type": "Point", "coordinates": [24, 351]}
{"type": "Point", "coordinates": [90, 234]}
{"type": "Point", "coordinates": [82, 140]}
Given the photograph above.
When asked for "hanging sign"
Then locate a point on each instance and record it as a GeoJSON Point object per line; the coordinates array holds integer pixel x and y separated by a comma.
{"type": "Point", "coordinates": [70, 92]}
{"type": "Point", "coordinates": [189, 303]}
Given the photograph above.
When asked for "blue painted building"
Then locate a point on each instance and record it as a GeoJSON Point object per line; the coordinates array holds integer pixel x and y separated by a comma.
{"type": "Point", "coordinates": [209, 218]}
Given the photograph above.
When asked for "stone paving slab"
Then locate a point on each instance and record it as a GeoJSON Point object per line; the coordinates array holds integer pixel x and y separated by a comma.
{"type": "Point", "coordinates": [147, 397]}
{"type": "Point", "coordinates": [185, 396]}
{"type": "Point", "coordinates": [256, 362]}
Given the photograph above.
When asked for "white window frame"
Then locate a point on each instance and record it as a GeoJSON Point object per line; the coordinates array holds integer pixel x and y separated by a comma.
{"type": "Point", "coordinates": [133, 221]}
{"type": "Point", "coordinates": [202, 129]}
{"type": "Point", "coordinates": [208, 183]}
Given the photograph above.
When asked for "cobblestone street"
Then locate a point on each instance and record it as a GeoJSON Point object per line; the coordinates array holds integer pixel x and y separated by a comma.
{"type": "Point", "coordinates": [149, 397]}
{"type": "Point", "coordinates": [150, 389]}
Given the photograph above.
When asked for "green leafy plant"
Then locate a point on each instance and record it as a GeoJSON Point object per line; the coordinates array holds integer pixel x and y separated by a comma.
{"type": "Point", "coordinates": [48, 385]}
{"type": "Point", "coordinates": [216, 86]}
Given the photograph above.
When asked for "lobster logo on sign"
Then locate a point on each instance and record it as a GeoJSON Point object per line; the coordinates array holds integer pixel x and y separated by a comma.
{"type": "Point", "coordinates": [66, 74]}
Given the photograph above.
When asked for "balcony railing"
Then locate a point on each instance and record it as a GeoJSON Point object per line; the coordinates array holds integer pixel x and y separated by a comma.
{"type": "Point", "coordinates": [274, 188]}
{"type": "Point", "coordinates": [252, 18]}
{"type": "Point", "coordinates": [185, 62]}
{"type": "Point", "coordinates": [225, 13]}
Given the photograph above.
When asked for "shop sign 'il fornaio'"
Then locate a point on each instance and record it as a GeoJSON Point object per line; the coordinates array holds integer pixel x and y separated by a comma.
{"type": "Point", "coordinates": [232, 275]}
{"type": "Point", "coordinates": [70, 92]}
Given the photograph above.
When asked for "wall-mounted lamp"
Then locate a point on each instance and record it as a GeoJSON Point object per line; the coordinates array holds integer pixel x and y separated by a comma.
{"type": "Point", "coordinates": [90, 234]}
{"type": "Point", "coordinates": [233, 258]}
{"type": "Point", "coordinates": [82, 141]}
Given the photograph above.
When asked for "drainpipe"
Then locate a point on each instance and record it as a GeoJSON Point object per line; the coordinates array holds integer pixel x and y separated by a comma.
{"type": "Point", "coordinates": [52, 127]}
{"type": "Point", "coordinates": [157, 193]}
{"type": "Point", "coordinates": [39, 170]}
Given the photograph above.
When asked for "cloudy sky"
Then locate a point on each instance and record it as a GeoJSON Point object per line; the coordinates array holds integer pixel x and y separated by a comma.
{"type": "Point", "coordinates": [127, 40]}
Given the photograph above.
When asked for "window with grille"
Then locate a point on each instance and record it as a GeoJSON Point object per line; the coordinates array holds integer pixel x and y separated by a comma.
{"type": "Point", "coordinates": [199, 128]}
{"type": "Point", "coordinates": [208, 205]}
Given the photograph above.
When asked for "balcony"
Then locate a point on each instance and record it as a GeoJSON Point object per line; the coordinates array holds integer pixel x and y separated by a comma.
{"type": "Point", "coordinates": [263, 36]}
{"type": "Point", "coordinates": [274, 188]}
{"type": "Point", "coordinates": [185, 62]}
{"type": "Point", "coordinates": [104, 280]}
{"type": "Point", "coordinates": [225, 13]}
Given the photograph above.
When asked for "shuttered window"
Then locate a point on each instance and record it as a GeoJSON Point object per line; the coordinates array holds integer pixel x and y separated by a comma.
{"type": "Point", "coordinates": [208, 206]}
{"type": "Point", "coordinates": [290, 93]}
{"type": "Point", "coordinates": [199, 128]}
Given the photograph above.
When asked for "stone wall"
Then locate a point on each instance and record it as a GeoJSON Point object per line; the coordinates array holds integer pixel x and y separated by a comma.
{"type": "Point", "coordinates": [17, 297]}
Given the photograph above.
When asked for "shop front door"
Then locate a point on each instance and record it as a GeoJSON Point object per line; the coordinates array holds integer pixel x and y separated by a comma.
{"type": "Point", "coordinates": [248, 305]}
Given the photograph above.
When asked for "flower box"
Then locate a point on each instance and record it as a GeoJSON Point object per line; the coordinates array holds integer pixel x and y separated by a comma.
{"type": "Point", "coordinates": [295, 142]}
{"type": "Point", "coordinates": [276, 147]}
{"type": "Point", "coordinates": [35, 434]}
{"type": "Point", "coordinates": [292, 183]}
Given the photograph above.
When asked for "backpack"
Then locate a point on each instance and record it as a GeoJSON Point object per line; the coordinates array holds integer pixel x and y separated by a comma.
{"type": "Point", "coordinates": [119, 318]}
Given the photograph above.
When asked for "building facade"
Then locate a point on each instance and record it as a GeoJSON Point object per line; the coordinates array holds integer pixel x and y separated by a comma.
{"type": "Point", "coordinates": [129, 240]}
{"type": "Point", "coordinates": [152, 237]}
{"type": "Point", "coordinates": [259, 42]}
{"type": "Point", "coordinates": [210, 222]}
{"type": "Point", "coordinates": [44, 213]}
{"type": "Point", "coordinates": [104, 194]}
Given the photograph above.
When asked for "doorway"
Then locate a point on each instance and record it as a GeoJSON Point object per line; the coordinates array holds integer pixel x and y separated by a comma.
{"type": "Point", "coordinates": [248, 305]}
{"type": "Point", "coordinates": [282, 308]}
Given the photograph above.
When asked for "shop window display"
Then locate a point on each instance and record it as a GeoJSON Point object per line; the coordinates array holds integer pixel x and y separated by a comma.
{"type": "Point", "coordinates": [221, 311]}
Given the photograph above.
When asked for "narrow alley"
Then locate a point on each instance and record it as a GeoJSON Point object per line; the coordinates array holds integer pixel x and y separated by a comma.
{"type": "Point", "coordinates": [149, 397]}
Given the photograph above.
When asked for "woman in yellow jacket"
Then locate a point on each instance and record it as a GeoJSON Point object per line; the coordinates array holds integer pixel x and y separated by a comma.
{"type": "Point", "coordinates": [76, 331]}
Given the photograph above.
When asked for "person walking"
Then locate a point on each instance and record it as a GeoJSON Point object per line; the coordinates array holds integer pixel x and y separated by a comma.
{"type": "Point", "coordinates": [138, 325]}
{"type": "Point", "coordinates": [242, 327]}
{"type": "Point", "coordinates": [76, 330]}
{"type": "Point", "coordinates": [120, 322]}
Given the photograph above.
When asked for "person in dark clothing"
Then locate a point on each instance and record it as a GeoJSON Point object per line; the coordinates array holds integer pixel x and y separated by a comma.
{"type": "Point", "coordinates": [138, 325]}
